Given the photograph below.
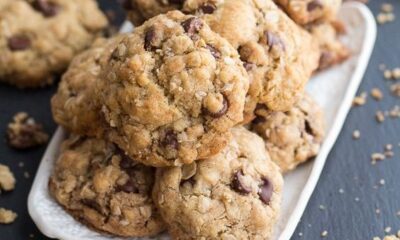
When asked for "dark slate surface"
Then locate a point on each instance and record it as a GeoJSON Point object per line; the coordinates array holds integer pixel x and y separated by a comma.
{"type": "Point", "coordinates": [348, 166]}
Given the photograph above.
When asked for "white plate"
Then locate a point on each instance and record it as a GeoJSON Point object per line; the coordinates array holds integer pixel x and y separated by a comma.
{"type": "Point", "coordinates": [333, 89]}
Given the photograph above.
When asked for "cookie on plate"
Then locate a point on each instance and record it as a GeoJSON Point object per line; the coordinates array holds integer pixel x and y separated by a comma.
{"type": "Point", "coordinates": [333, 51]}
{"type": "Point", "coordinates": [171, 91]}
{"type": "Point", "coordinates": [75, 106]}
{"type": "Point", "coordinates": [270, 45]}
{"type": "Point", "coordinates": [101, 187]}
{"type": "Point", "coordinates": [38, 38]}
{"type": "Point", "coordinates": [307, 11]}
{"type": "Point", "coordinates": [292, 137]}
{"type": "Point", "coordinates": [233, 195]}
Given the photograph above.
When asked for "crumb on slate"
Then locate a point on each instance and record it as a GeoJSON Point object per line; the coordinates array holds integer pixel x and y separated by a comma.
{"type": "Point", "coordinates": [324, 233]}
{"type": "Point", "coordinates": [7, 216]}
{"type": "Point", "coordinates": [23, 132]}
{"type": "Point", "coordinates": [360, 99]}
{"type": "Point", "coordinates": [380, 117]}
{"type": "Point", "coordinates": [377, 94]}
{"type": "Point", "coordinates": [356, 134]}
{"type": "Point", "coordinates": [7, 179]}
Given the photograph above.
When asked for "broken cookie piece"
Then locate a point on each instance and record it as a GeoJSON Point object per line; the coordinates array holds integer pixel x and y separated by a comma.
{"type": "Point", "coordinates": [7, 216]}
{"type": "Point", "coordinates": [7, 179]}
{"type": "Point", "coordinates": [25, 133]}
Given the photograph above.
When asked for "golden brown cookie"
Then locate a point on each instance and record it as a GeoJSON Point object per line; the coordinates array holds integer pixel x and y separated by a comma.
{"type": "Point", "coordinates": [307, 11]}
{"type": "Point", "coordinates": [270, 45]}
{"type": "Point", "coordinates": [101, 187]}
{"type": "Point", "coordinates": [38, 38]}
{"type": "Point", "coordinates": [292, 137]}
{"type": "Point", "coordinates": [171, 91]}
{"type": "Point", "coordinates": [233, 195]}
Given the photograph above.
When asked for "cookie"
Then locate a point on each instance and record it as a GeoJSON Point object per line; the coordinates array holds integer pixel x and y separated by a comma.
{"type": "Point", "coordinates": [270, 45]}
{"type": "Point", "coordinates": [233, 195]}
{"type": "Point", "coordinates": [75, 106]}
{"type": "Point", "coordinates": [333, 51]}
{"type": "Point", "coordinates": [171, 91]}
{"type": "Point", "coordinates": [101, 187]}
{"type": "Point", "coordinates": [307, 11]}
{"type": "Point", "coordinates": [38, 38]}
{"type": "Point", "coordinates": [292, 137]}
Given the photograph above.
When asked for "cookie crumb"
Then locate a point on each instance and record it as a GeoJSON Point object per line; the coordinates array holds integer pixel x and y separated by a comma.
{"type": "Point", "coordinates": [380, 117]}
{"type": "Point", "coordinates": [21, 164]}
{"type": "Point", "coordinates": [396, 73]}
{"type": "Point", "coordinates": [300, 234]}
{"type": "Point", "coordinates": [356, 134]}
{"type": "Point", "coordinates": [360, 100]}
{"type": "Point", "coordinates": [7, 216]}
{"type": "Point", "coordinates": [27, 175]}
{"type": "Point", "coordinates": [377, 211]}
{"type": "Point", "coordinates": [324, 234]}
{"type": "Point", "coordinates": [395, 88]}
{"type": "Point", "coordinates": [377, 94]}
{"type": "Point", "coordinates": [322, 207]}
{"type": "Point", "coordinates": [357, 199]}
{"type": "Point", "coordinates": [377, 157]}
{"type": "Point", "coordinates": [376, 238]}
{"type": "Point", "coordinates": [387, 74]}
{"type": "Point", "coordinates": [382, 182]}
{"type": "Point", "coordinates": [7, 179]}
{"type": "Point", "coordinates": [387, 7]}
{"type": "Point", "coordinates": [341, 191]}
{"type": "Point", "coordinates": [388, 229]}
{"type": "Point", "coordinates": [25, 133]}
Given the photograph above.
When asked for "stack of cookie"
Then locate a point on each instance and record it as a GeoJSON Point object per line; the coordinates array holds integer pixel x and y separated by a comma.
{"type": "Point", "coordinates": [188, 123]}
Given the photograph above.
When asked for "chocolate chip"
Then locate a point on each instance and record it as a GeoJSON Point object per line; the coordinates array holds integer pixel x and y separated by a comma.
{"type": "Point", "coordinates": [149, 39]}
{"type": "Point", "coordinates": [325, 60]}
{"type": "Point", "coordinates": [266, 190]}
{"type": "Point", "coordinates": [170, 140]}
{"type": "Point", "coordinates": [176, 1]}
{"type": "Point", "coordinates": [48, 9]}
{"type": "Point", "coordinates": [216, 54]}
{"type": "Point", "coordinates": [129, 187]}
{"type": "Point", "coordinates": [238, 185]}
{"type": "Point", "coordinates": [127, 5]}
{"type": "Point", "coordinates": [207, 8]}
{"type": "Point", "coordinates": [311, 6]}
{"type": "Point", "coordinates": [126, 162]}
{"type": "Point", "coordinates": [222, 111]}
{"type": "Point", "coordinates": [258, 119]}
{"type": "Point", "coordinates": [308, 128]}
{"type": "Point", "coordinates": [248, 66]}
{"type": "Point", "coordinates": [192, 26]}
{"type": "Point", "coordinates": [91, 203]}
{"type": "Point", "coordinates": [19, 42]}
{"type": "Point", "coordinates": [274, 40]}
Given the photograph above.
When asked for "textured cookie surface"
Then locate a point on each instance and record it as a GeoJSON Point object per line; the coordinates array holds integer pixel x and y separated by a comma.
{"type": "Point", "coordinates": [292, 137]}
{"type": "Point", "coordinates": [306, 11]}
{"type": "Point", "coordinates": [39, 38]}
{"type": "Point", "coordinates": [233, 195]}
{"type": "Point", "coordinates": [172, 90]}
{"type": "Point", "coordinates": [270, 44]}
{"type": "Point", "coordinates": [75, 106]}
{"type": "Point", "coordinates": [333, 51]}
{"type": "Point", "coordinates": [98, 185]}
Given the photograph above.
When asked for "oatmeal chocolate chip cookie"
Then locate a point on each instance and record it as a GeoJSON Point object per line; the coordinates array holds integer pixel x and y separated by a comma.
{"type": "Point", "coordinates": [271, 46]}
{"type": "Point", "coordinates": [307, 11]}
{"type": "Point", "coordinates": [233, 195]}
{"type": "Point", "coordinates": [38, 38]}
{"type": "Point", "coordinates": [23, 132]}
{"type": "Point", "coordinates": [101, 187]}
{"type": "Point", "coordinates": [75, 106]}
{"type": "Point", "coordinates": [171, 91]}
{"type": "Point", "coordinates": [333, 51]}
{"type": "Point", "coordinates": [292, 137]}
